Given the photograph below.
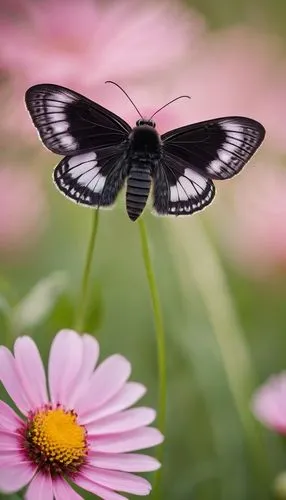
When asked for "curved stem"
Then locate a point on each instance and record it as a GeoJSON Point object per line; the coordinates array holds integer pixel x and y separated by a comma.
{"type": "Point", "coordinates": [80, 316]}
{"type": "Point", "coordinates": [160, 339]}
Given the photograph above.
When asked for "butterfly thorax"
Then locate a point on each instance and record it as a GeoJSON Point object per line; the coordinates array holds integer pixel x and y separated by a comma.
{"type": "Point", "coordinates": [145, 139]}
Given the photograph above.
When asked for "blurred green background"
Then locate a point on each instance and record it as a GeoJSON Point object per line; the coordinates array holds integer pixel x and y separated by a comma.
{"type": "Point", "coordinates": [221, 280]}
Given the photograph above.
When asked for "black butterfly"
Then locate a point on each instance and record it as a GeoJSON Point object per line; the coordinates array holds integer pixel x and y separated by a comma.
{"type": "Point", "coordinates": [102, 151]}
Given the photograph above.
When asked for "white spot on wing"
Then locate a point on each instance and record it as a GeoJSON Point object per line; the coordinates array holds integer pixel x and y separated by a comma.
{"type": "Point", "coordinates": [174, 195]}
{"type": "Point", "coordinates": [198, 179]}
{"type": "Point", "coordinates": [99, 186]}
{"type": "Point", "coordinates": [80, 160]}
{"type": "Point", "coordinates": [60, 127]}
{"type": "Point", "coordinates": [85, 178]}
{"type": "Point", "coordinates": [83, 169]}
{"type": "Point", "coordinates": [52, 102]}
{"type": "Point", "coordinates": [43, 109]}
{"type": "Point", "coordinates": [68, 141]}
{"type": "Point", "coordinates": [183, 196]}
{"type": "Point", "coordinates": [215, 167]}
{"type": "Point", "coordinates": [224, 156]}
{"type": "Point", "coordinates": [55, 117]}
{"type": "Point", "coordinates": [239, 136]}
{"type": "Point", "coordinates": [231, 127]}
{"type": "Point", "coordinates": [232, 148]}
{"type": "Point", "coordinates": [188, 186]}
{"type": "Point", "coordinates": [232, 142]}
{"type": "Point", "coordinates": [59, 96]}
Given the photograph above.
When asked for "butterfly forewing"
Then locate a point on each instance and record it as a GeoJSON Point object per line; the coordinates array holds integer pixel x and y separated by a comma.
{"type": "Point", "coordinates": [68, 122]}
{"type": "Point", "coordinates": [217, 148]}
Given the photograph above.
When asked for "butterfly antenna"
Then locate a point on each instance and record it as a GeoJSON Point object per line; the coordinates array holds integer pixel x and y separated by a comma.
{"type": "Point", "coordinates": [109, 81]}
{"type": "Point", "coordinates": [165, 105]}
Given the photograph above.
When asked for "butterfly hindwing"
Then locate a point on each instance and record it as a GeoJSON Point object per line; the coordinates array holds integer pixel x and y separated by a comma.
{"type": "Point", "coordinates": [93, 178]}
{"type": "Point", "coordinates": [69, 123]}
{"type": "Point", "coordinates": [178, 189]}
{"type": "Point", "coordinates": [217, 148]}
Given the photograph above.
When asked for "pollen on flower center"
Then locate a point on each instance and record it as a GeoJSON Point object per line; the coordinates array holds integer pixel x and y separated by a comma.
{"type": "Point", "coordinates": [55, 440]}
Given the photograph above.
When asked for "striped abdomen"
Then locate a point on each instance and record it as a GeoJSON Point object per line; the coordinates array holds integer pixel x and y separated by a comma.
{"type": "Point", "coordinates": [138, 186]}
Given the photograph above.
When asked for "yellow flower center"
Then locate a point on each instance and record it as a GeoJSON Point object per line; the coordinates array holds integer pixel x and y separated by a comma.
{"type": "Point", "coordinates": [56, 441]}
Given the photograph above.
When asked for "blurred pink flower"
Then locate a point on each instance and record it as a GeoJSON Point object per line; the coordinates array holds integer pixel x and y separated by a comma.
{"type": "Point", "coordinates": [252, 225]}
{"type": "Point", "coordinates": [269, 403]}
{"type": "Point", "coordinates": [238, 71]}
{"type": "Point", "coordinates": [22, 209]}
{"type": "Point", "coordinates": [82, 44]}
{"type": "Point", "coordinates": [83, 432]}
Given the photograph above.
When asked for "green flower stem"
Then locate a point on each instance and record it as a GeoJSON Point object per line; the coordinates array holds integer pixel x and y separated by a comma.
{"type": "Point", "coordinates": [80, 317]}
{"type": "Point", "coordinates": [161, 350]}
{"type": "Point", "coordinates": [10, 334]}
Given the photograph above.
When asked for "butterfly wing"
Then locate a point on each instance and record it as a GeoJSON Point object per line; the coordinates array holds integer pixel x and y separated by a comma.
{"type": "Point", "coordinates": [178, 189]}
{"type": "Point", "coordinates": [93, 138]}
{"type": "Point", "coordinates": [216, 148]}
{"type": "Point", "coordinates": [195, 154]}
{"type": "Point", "coordinates": [93, 178]}
{"type": "Point", "coordinates": [69, 123]}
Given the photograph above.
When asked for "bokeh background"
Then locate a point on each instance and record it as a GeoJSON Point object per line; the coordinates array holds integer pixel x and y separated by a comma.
{"type": "Point", "coordinates": [221, 274]}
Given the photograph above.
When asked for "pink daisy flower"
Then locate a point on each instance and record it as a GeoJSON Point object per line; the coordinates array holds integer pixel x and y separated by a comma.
{"type": "Point", "coordinates": [269, 403]}
{"type": "Point", "coordinates": [82, 432]}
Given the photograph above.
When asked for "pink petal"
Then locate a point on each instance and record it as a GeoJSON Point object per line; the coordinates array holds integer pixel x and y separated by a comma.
{"type": "Point", "coordinates": [89, 360]}
{"type": "Point", "coordinates": [31, 371]}
{"type": "Point", "coordinates": [15, 477]}
{"type": "Point", "coordinates": [269, 403]}
{"type": "Point", "coordinates": [11, 381]}
{"type": "Point", "coordinates": [100, 491]}
{"type": "Point", "coordinates": [63, 491]}
{"type": "Point", "coordinates": [106, 381]}
{"type": "Point", "coordinates": [9, 420]}
{"type": "Point", "coordinates": [128, 462]}
{"type": "Point", "coordinates": [9, 441]}
{"type": "Point", "coordinates": [10, 458]}
{"type": "Point", "coordinates": [65, 362]}
{"type": "Point", "coordinates": [122, 422]}
{"type": "Point", "coordinates": [90, 355]}
{"type": "Point", "coordinates": [127, 396]}
{"type": "Point", "coordinates": [129, 441]}
{"type": "Point", "coordinates": [120, 481]}
{"type": "Point", "coordinates": [40, 488]}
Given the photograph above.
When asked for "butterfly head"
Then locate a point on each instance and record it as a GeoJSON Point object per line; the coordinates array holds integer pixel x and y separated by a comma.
{"type": "Point", "coordinates": [142, 121]}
